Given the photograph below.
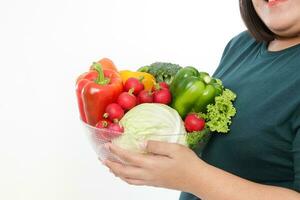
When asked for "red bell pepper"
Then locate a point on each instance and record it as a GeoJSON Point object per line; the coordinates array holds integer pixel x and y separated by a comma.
{"type": "Point", "coordinates": [95, 90]}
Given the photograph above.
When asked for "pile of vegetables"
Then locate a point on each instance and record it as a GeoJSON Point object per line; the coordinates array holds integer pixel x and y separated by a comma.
{"type": "Point", "coordinates": [161, 101]}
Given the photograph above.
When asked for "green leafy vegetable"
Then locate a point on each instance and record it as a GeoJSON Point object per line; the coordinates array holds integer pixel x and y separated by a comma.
{"type": "Point", "coordinates": [162, 71]}
{"type": "Point", "coordinates": [150, 121]}
{"type": "Point", "coordinates": [218, 81]}
{"type": "Point", "coordinates": [195, 139]}
{"type": "Point", "coordinates": [219, 114]}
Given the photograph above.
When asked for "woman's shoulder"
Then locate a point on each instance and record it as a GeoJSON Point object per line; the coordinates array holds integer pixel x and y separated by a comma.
{"type": "Point", "coordinates": [241, 44]}
{"type": "Point", "coordinates": [241, 40]}
{"type": "Point", "coordinates": [245, 36]}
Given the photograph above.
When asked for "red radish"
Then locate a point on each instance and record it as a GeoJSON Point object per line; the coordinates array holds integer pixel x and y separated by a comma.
{"type": "Point", "coordinates": [163, 96]}
{"type": "Point", "coordinates": [117, 127]}
{"type": "Point", "coordinates": [114, 112]}
{"type": "Point", "coordinates": [102, 134]}
{"type": "Point", "coordinates": [135, 84]}
{"type": "Point", "coordinates": [193, 122]}
{"type": "Point", "coordinates": [103, 124]}
{"type": "Point", "coordinates": [145, 97]}
{"type": "Point", "coordinates": [164, 85]}
{"type": "Point", "coordinates": [160, 85]}
{"type": "Point", "coordinates": [127, 100]}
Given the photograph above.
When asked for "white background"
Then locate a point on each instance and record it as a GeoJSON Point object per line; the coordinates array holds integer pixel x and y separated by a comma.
{"type": "Point", "coordinates": [45, 45]}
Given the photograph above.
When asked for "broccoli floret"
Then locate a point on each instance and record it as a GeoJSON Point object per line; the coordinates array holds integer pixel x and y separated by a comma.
{"type": "Point", "coordinates": [162, 71]}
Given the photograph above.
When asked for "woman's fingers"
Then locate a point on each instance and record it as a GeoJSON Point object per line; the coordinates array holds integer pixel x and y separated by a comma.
{"type": "Point", "coordinates": [162, 148]}
{"type": "Point", "coordinates": [125, 171]}
{"type": "Point", "coordinates": [133, 181]}
{"type": "Point", "coordinates": [128, 157]}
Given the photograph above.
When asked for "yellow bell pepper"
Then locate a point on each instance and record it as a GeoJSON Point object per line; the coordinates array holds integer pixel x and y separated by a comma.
{"type": "Point", "coordinates": [147, 79]}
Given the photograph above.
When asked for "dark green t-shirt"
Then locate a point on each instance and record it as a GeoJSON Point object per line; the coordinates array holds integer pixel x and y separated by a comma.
{"type": "Point", "coordinates": [263, 144]}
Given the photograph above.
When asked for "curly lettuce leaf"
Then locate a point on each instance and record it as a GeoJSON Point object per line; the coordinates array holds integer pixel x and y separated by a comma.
{"type": "Point", "coordinates": [194, 139]}
{"type": "Point", "coordinates": [219, 114]}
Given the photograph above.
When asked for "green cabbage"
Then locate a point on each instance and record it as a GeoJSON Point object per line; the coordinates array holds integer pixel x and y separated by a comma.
{"type": "Point", "coordinates": [150, 121]}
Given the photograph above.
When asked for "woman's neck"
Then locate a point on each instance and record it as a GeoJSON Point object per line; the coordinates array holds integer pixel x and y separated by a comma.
{"type": "Point", "coordinates": [283, 43]}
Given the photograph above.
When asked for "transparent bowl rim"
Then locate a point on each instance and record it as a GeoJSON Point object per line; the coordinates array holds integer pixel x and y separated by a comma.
{"type": "Point", "coordinates": [120, 133]}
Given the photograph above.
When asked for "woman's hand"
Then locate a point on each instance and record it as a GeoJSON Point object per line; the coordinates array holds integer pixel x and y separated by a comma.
{"type": "Point", "coordinates": [177, 167]}
{"type": "Point", "coordinates": [167, 165]}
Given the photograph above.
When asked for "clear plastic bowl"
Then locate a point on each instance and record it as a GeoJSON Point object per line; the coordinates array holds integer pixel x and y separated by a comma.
{"type": "Point", "coordinates": [98, 137]}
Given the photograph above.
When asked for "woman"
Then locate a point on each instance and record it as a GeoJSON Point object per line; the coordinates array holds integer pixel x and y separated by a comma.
{"type": "Point", "coordinates": [260, 157]}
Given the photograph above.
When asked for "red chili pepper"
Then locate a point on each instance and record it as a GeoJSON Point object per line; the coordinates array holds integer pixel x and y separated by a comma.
{"type": "Point", "coordinates": [95, 90]}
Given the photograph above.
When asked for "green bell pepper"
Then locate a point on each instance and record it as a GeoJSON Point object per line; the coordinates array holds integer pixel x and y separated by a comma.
{"type": "Point", "coordinates": [192, 91]}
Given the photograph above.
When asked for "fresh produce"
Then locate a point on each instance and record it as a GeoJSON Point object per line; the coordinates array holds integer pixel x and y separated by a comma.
{"type": "Point", "coordinates": [219, 114]}
{"type": "Point", "coordinates": [162, 71]}
{"type": "Point", "coordinates": [108, 131]}
{"type": "Point", "coordinates": [147, 79]}
{"type": "Point", "coordinates": [194, 122]}
{"type": "Point", "coordinates": [106, 63]}
{"type": "Point", "coordinates": [160, 85]}
{"type": "Point", "coordinates": [103, 123]}
{"type": "Point", "coordinates": [117, 128]}
{"type": "Point", "coordinates": [193, 91]}
{"type": "Point", "coordinates": [95, 90]}
{"type": "Point", "coordinates": [217, 119]}
{"type": "Point", "coordinates": [162, 95]}
{"type": "Point", "coordinates": [198, 139]}
{"type": "Point", "coordinates": [150, 121]}
{"type": "Point", "coordinates": [113, 112]}
{"type": "Point", "coordinates": [127, 100]}
{"type": "Point", "coordinates": [80, 84]}
{"type": "Point", "coordinates": [145, 97]}
{"type": "Point", "coordinates": [135, 84]}
{"type": "Point", "coordinates": [164, 85]}
{"type": "Point", "coordinates": [130, 107]}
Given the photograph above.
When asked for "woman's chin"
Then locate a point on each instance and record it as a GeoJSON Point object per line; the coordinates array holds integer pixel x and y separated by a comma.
{"type": "Point", "coordinates": [283, 29]}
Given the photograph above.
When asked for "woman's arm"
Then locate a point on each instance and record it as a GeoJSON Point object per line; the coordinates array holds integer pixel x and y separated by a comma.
{"type": "Point", "coordinates": [217, 184]}
{"type": "Point", "coordinates": [176, 167]}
